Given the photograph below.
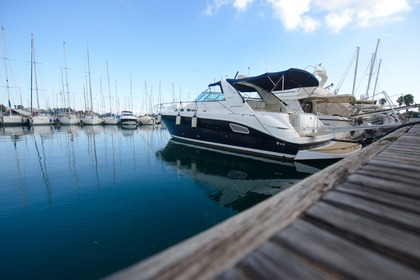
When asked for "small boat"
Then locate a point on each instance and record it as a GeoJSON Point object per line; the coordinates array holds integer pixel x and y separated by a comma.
{"type": "Point", "coordinates": [246, 115]}
{"type": "Point", "coordinates": [147, 120]}
{"type": "Point", "coordinates": [110, 120]}
{"type": "Point", "coordinates": [128, 119]}
{"type": "Point", "coordinates": [349, 118]}
{"type": "Point", "coordinates": [8, 115]}
{"type": "Point", "coordinates": [14, 117]}
{"type": "Point", "coordinates": [69, 119]}
{"type": "Point", "coordinates": [42, 120]}
{"type": "Point", "coordinates": [92, 119]}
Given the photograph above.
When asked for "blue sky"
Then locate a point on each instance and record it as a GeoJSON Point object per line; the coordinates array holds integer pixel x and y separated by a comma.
{"type": "Point", "coordinates": [180, 47]}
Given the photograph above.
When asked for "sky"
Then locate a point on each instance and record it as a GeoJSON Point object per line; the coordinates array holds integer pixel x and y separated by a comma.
{"type": "Point", "coordinates": [161, 51]}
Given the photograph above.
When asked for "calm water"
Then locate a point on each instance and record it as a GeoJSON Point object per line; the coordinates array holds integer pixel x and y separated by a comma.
{"type": "Point", "coordinates": [84, 202]}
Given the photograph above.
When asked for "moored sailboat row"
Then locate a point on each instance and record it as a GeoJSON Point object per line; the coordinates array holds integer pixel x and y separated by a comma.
{"type": "Point", "coordinates": [20, 115]}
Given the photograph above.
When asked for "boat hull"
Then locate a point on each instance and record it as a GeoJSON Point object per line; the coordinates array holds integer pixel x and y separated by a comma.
{"type": "Point", "coordinates": [146, 120]}
{"type": "Point", "coordinates": [42, 120]}
{"type": "Point", "coordinates": [73, 120]}
{"type": "Point", "coordinates": [128, 121]}
{"type": "Point", "coordinates": [220, 133]}
{"type": "Point", "coordinates": [111, 121]}
{"type": "Point", "coordinates": [13, 120]}
{"type": "Point", "coordinates": [92, 120]}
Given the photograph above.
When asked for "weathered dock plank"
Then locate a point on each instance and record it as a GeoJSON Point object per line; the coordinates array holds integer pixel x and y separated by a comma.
{"type": "Point", "coordinates": [394, 199]}
{"type": "Point", "coordinates": [336, 254]}
{"type": "Point", "coordinates": [359, 218]}
{"type": "Point", "coordinates": [368, 231]}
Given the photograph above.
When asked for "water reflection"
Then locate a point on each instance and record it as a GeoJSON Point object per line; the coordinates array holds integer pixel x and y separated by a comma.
{"type": "Point", "coordinates": [92, 193]}
{"type": "Point", "coordinates": [239, 180]}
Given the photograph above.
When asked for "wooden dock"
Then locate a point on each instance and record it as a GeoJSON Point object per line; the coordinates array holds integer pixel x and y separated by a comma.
{"type": "Point", "coordinates": [358, 218]}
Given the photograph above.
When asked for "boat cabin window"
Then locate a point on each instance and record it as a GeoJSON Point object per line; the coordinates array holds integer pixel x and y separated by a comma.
{"type": "Point", "coordinates": [211, 94]}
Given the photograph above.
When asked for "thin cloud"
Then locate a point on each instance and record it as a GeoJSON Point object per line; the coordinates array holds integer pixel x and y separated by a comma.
{"type": "Point", "coordinates": [214, 6]}
{"type": "Point", "coordinates": [291, 13]}
{"type": "Point", "coordinates": [241, 5]}
{"type": "Point", "coordinates": [335, 21]}
{"type": "Point", "coordinates": [309, 15]}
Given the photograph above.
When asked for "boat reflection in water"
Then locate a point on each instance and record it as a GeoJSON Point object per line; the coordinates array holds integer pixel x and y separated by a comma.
{"type": "Point", "coordinates": [232, 179]}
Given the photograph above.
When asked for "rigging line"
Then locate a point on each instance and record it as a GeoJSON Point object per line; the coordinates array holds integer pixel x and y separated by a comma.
{"type": "Point", "coordinates": [361, 80]}
{"type": "Point", "coordinates": [340, 83]}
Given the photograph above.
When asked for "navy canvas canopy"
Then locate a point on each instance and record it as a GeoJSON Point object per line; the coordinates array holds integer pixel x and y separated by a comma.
{"type": "Point", "coordinates": [293, 78]}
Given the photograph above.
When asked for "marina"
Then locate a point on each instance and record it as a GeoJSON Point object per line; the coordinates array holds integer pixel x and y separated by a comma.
{"type": "Point", "coordinates": [160, 140]}
{"type": "Point", "coordinates": [82, 202]}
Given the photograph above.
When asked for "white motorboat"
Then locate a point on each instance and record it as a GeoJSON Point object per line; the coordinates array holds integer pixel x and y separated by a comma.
{"type": "Point", "coordinates": [343, 114]}
{"type": "Point", "coordinates": [246, 115]}
{"type": "Point", "coordinates": [128, 119]}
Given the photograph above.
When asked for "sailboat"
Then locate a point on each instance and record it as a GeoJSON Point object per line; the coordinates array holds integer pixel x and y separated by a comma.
{"type": "Point", "coordinates": [146, 119]}
{"type": "Point", "coordinates": [111, 119]}
{"type": "Point", "coordinates": [9, 116]}
{"type": "Point", "coordinates": [91, 118]}
{"type": "Point", "coordinates": [68, 118]}
{"type": "Point", "coordinates": [37, 118]}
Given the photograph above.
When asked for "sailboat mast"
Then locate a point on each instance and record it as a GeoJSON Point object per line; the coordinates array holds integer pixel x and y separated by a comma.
{"type": "Point", "coordinates": [376, 81]}
{"type": "Point", "coordinates": [36, 79]}
{"type": "Point", "coordinates": [355, 69]}
{"type": "Point", "coordinates": [116, 97]}
{"type": "Point", "coordinates": [109, 88]}
{"type": "Point", "coordinates": [90, 84]}
{"type": "Point", "coordinates": [5, 68]}
{"type": "Point", "coordinates": [67, 81]}
{"type": "Point", "coordinates": [371, 67]}
{"type": "Point", "coordinates": [131, 93]}
{"type": "Point", "coordinates": [32, 69]}
{"type": "Point", "coordinates": [62, 89]}
{"type": "Point", "coordinates": [144, 107]}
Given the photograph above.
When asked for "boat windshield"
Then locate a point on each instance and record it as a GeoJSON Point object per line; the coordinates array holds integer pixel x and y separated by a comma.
{"type": "Point", "coordinates": [210, 95]}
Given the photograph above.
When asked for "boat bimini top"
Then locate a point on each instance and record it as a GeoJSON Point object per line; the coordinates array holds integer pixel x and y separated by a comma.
{"type": "Point", "coordinates": [274, 81]}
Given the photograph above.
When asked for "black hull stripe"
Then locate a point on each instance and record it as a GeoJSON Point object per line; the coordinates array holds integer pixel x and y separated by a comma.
{"type": "Point", "coordinates": [219, 133]}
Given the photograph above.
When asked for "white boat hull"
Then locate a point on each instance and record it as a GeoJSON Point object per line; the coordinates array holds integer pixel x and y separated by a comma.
{"type": "Point", "coordinates": [128, 122]}
{"type": "Point", "coordinates": [254, 142]}
{"type": "Point", "coordinates": [66, 120]}
{"type": "Point", "coordinates": [111, 121]}
{"type": "Point", "coordinates": [13, 120]}
{"type": "Point", "coordinates": [92, 120]}
{"type": "Point", "coordinates": [146, 120]}
{"type": "Point", "coordinates": [42, 120]}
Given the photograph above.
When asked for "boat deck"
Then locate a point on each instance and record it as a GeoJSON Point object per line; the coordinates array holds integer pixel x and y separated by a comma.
{"type": "Point", "coordinates": [358, 218]}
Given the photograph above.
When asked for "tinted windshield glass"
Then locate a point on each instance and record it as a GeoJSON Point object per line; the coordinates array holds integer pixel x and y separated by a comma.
{"type": "Point", "coordinates": [211, 94]}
